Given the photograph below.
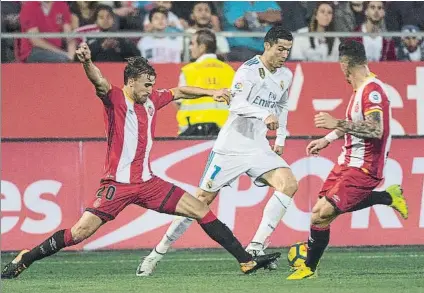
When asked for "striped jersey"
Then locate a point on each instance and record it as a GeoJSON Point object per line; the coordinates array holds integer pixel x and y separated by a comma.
{"type": "Point", "coordinates": [130, 131]}
{"type": "Point", "coordinates": [369, 154]}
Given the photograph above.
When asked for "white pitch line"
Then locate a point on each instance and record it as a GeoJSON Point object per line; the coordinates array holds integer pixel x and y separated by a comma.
{"type": "Point", "coordinates": [390, 256]}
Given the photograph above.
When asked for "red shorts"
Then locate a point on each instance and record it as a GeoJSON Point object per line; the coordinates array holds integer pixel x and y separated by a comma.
{"type": "Point", "coordinates": [345, 187]}
{"type": "Point", "coordinates": [156, 194]}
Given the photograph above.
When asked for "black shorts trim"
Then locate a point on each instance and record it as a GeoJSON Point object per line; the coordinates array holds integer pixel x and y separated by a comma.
{"type": "Point", "coordinates": [101, 214]}
{"type": "Point", "coordinates": [170, 192]}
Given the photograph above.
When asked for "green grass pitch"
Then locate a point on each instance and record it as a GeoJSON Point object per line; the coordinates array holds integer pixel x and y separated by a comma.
{"type": "Point", "coordinates": [342, 270]}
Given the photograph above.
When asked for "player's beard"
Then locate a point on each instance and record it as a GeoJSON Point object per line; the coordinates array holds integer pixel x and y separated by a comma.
{"type": "Point", "coordinates": [140, 99]}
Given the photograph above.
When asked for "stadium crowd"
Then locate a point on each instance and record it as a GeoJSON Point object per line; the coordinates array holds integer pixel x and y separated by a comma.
{"type": "Point", "coordinates": [168, 16]}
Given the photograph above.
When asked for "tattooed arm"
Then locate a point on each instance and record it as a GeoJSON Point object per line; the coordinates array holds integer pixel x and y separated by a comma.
{"type": "Point", "coordinates": [371, 127]}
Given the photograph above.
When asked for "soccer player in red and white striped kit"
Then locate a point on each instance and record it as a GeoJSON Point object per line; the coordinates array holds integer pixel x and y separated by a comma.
{"type": "Point", "coordinates": [130, 117]}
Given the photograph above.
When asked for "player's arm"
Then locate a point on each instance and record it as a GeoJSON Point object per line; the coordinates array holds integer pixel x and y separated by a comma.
{"type": "Point", "coordinates": [370, 127]}
{"type": "Point", "coordinates": [282, 122]}
{"type": "Point", "coordinates": [191, 92]}
{"type": "Point", "coordinates": [93, 73]}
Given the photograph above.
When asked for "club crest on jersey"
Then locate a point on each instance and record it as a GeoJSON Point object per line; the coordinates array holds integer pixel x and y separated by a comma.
{"type": "Point", "coordinates": [375, 97]}
{"type": "Point", "coordinates": [282, 84]}
{"type": "Point", "coordinates": [262, 73]}
{"type": "Point", "coordinates": [238, 86]}
{"type": "Point", "coordinates": [150, 110]}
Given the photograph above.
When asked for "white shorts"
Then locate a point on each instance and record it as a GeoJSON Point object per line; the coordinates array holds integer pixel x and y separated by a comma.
{"type": "Point", "coordinates": [221, 170]}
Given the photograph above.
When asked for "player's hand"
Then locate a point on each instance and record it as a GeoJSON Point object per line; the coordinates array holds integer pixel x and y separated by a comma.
{"type": "Point", "coordinates": [315, 146]}
{"type": "Point", "coordinates": [278, 149]}
{"type": "Point", "coordinates": [272, 122]}
{"type": "Point", "coordinates": [222, 95]}
{"type": "Point", "coordinates": [325, 120]}
{"type": "Point", "coordinates": [83, 53]}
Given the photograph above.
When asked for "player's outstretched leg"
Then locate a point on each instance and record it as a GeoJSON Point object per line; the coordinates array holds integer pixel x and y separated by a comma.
{"type": "Point", "coordinates": [177, 228]}
{"type": "Point", "coordinates": [84, 228]}
{"type": "Point", "coordinates": [219, 232]}
{"type": "Point", "coordinates": [285, 185]}
{"type": "Point", "coordinates": [323, 214]}
{"type": "Point", "coordinates": [392, 196]}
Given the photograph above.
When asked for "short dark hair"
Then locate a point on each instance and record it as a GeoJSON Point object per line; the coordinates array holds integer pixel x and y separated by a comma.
{"type": "Point", "coordinates": [367, 3]}
{"type": "Point", "coordinates": [354, 51]}
{"type": "Point", "coordinates": [277, 32]}
{"type": "Point", "coordinates": [207, 37]}
{"type": "Point", "coordinates": [100, 7]}
{"type": "Point", "coordinates": [136, 67]}
{"type": "Point", "coordinates": [201, 2]}
{"type": "Point", "coordinates": [159, 9]}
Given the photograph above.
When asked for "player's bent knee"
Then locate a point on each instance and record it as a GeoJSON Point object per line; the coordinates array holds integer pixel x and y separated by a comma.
{"type": "Point", "coordinates": [327, 211]}
{"type": "Point", "coordinates": [316, 219]}
{"type": "Point", "coordinates": [287, 185]}
{"type": "Point", "coordinates": [200, 211]}
{"type": "Point", "coordinates": [191, 207]}
{"type": "Point", "coordinates": [291, 186]}
{"type": "Point", "coordinates": [85, 227]}
{"type": "Point", "coordinates": [82, 232]}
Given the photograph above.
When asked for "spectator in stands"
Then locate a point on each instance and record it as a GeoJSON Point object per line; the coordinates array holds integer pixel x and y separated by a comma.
{"type": "Point", "coordinates": [201, 16]}
{"type": "Point", "coordinates": [294, 15]}
{"type": "Point", "coordinates": [401, 13]}
{"type": "Point", "coordinates": [126, 15]}
{"type": "Point", "coordinates": [174, 23]}
{"type": "Point", "coordinates": [411, 48]}
{"type": "Point", "coordinates": [9, 23]}
{"type": "Point", "coordinates": [82, 13]}
{"type": "Point", "coordinates": [376, 48]}
{"type": "Point", "coordinates": [203, 116]}
{"type": "Point", "coordinates": [109, 49]}
{"type": "Point", "coordinates": [253, 16]}
{"type": "Point", "coordinates": [160, 49]}
{"type": "Point", "coordinates": [45, 17]}
{"type": "Point", "coordinates": [348, 16]}
{"type": "Point", "coordinates": [317, 48]}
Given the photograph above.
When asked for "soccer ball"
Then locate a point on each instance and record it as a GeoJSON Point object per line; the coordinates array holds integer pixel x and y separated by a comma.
{"type": "Point", "coordinates": [297, 254]}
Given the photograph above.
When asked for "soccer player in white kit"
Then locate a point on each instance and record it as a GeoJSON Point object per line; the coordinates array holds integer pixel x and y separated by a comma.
{"type": "Point", "coordinates": [259, 103]}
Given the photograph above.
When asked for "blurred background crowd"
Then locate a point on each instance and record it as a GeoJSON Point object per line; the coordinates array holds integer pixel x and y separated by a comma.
{"type": "Point", "coordinates": [190, 16]}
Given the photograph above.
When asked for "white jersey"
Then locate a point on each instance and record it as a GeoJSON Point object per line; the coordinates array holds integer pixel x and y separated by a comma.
{"type": "Point", "coordinates": [257, 93]}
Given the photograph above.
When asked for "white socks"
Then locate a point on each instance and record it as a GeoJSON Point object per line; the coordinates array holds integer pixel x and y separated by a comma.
{"type": "Point", "coordinates": [273, 213]}
{"type": "Point", "coordinates": [175, 230]}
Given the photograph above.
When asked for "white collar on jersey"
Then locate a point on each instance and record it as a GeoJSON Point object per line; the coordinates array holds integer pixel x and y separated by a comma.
{"type": "Point", "coordinates": [206, 56]}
